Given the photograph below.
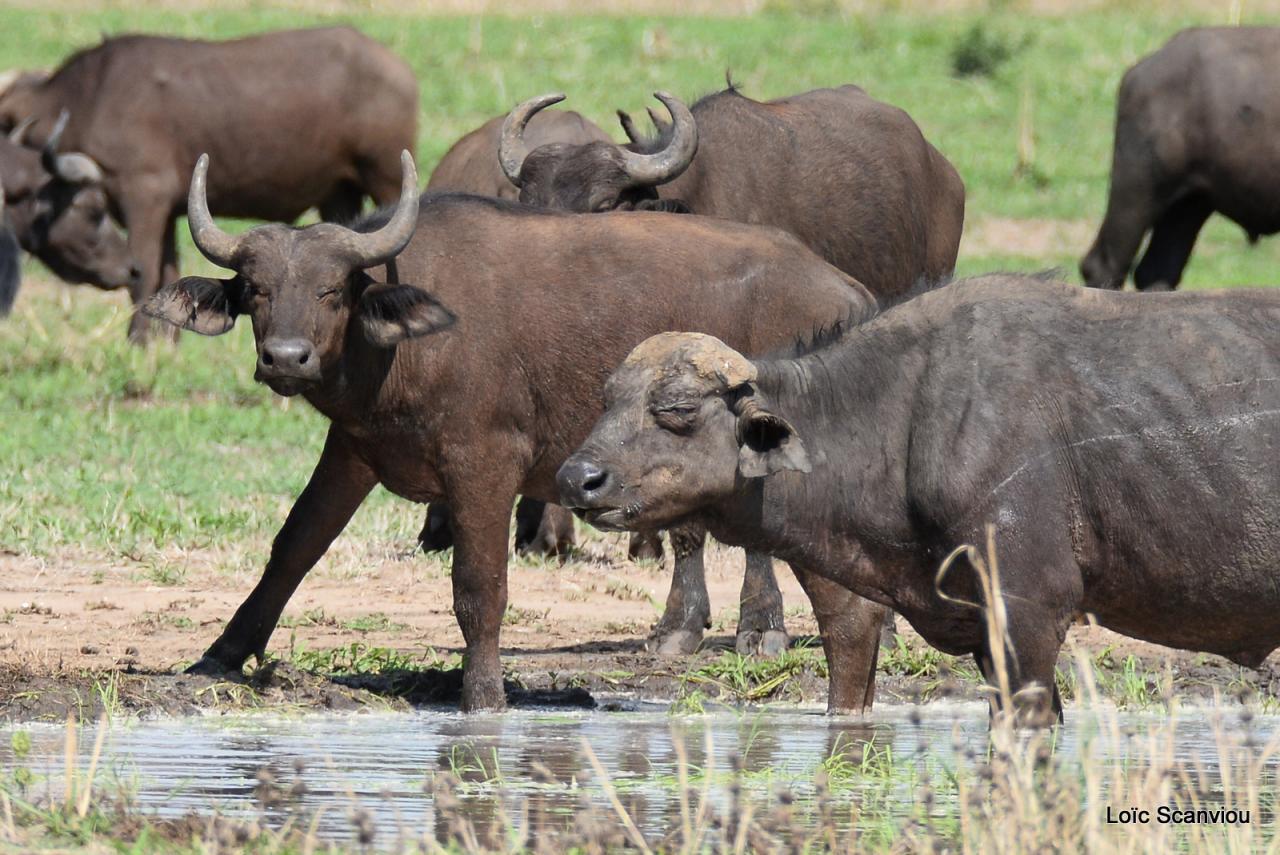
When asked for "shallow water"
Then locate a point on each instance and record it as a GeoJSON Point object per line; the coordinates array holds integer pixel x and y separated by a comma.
{"type": "Point", "coordinates": [380, 762]}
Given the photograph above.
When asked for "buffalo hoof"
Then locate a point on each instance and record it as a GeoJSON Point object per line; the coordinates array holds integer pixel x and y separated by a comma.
{"type": "Point", "coordinates": [753, 642]}
{"type": "Point", "coordinates": [645, 548]}
{"type": "Point", "coordinates": [681, 642]}
{"type": "Point", "coordinates": [210, 667]}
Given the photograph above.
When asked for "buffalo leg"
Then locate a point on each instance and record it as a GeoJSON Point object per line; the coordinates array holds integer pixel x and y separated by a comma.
{"type": "Point", "coordinates": [343, 204]}
{"type": "Point", "coordinates": [437, 529]}
{"type": "Point", "coordinates": [645, 546]}
{"type": "Point", "coordinates": [1035, 638]}
{"type": "Point", "coordinates": [688, 610]}
{"type": "Point", "coordinates": [850, 628]}
{"type": "Point", "coordinates": [542, 528]}
{"type": "Point", "coordinates": [1171, 243]}
{"type": "Point", "coordinates": [481, 525]}
{"type": "Point", "coordinates": [760, 622]}
{"type": "Point", "coordinates": [150, 224]}
{"type": "Point", "coordinates": [1133, 205]}
{"type": "Point", "coordinates": [338, 485]}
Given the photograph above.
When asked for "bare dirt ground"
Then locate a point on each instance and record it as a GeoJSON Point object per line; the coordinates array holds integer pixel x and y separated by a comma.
{"type": "Point", "coordinates": [77, 637]}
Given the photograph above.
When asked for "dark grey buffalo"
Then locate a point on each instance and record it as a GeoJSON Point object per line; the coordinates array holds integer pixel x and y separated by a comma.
{"type": "Point", "coordinates": [471, 164]}
{"type": "Point", "coordinates": [55, 209]}
{"type": "Point", "coordinates": [1148, 498]}
{"type": "Point", "coordinates": [851, 176]}
{"type": "Point", "coordinates": [311, 118]}
{"type": "Point", "coordinates": [468, 370]}
{"type": "Point", "coordinates": [1197, 132]}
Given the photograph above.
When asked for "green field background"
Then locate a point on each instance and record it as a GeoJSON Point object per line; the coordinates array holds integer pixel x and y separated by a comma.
{"type": "Point", "coordinates": [149, 457]}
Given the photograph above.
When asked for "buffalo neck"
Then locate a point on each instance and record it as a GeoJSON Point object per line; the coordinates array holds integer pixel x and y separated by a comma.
{"type": "Point", "coordinates": [850, 403]}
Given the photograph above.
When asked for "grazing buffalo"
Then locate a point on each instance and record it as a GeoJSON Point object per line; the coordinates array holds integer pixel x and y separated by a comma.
{"type": "Point", "coordinates": [56, 210]}
{"type": "Point", "coordinates": [1148, 498]}
{"type": "Point", "coordinates": [851, 176]}
{"type": "Point", "coordinates": [471, 164]}
{"type": "Point", "coordinates": [309, 117]}
{"type": "Point", "coordinates": [460, 348]}
{"type": "Point", "coordinates": [1197, 131]}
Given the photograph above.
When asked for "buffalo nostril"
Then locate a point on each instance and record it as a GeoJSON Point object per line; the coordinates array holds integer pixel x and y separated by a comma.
{"type": "Point", "coordinates": [267, 359]}
{"type": "Point", "coordinates": [593, 479]}
{"type": "Point", "coordinates": [302, 360]}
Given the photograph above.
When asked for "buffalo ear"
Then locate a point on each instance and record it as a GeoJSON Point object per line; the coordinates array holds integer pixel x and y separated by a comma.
{"type": "Point", "coordinates": [196, 303]}
{"type": "Point", "coordinates": [391, 313]}
{"type": "Point", "coordinates": [767, 443]}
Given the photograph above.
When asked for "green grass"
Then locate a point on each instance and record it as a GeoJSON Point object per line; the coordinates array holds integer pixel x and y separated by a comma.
{"type": "Point", "coordinates": [152, 457]}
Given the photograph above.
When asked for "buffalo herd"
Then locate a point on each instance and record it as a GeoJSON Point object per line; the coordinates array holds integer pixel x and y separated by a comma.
{"type": "Point", "coordinates": [742, 324]}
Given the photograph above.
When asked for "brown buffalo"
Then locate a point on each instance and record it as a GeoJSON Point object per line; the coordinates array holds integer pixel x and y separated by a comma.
{"type": "Point", "coordinates": [311, 118]}
{"type": "Point", "coordinates": [469, 368]}
{"type": "Point", "coordinates": [471, 164]}
{"type": "Point", "coordinates": [55, 209]}
{"type": "Point", "coordinates": [1146, 497]}
{"type": "Point", "coordinates": [851, 176]}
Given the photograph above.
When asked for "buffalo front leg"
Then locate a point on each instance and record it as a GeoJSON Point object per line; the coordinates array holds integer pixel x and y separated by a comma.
{"type": "Point", "coordinates": [760, 621]}
{"type": "Point", "coordinates": [688, 610]}
{"type": "Point", "coordinates": [850, 628]}
{"type": "Point", "coordinates": [481, 524]}
{"type": "Point", "coordinates": [338, 485]}
{"type": "Point", "coordinates": [148, 216]}
{"type": "Point", "coordinates": [1034, 638]}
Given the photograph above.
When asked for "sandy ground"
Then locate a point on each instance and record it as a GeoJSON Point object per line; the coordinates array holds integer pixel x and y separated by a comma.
{"type": "Point", "coordinates": [76, 636]}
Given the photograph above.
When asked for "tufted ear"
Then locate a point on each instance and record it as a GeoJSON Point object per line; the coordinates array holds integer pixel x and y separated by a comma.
{"type": "Point", "coordinates": [767, 443]}
{"type": "Point", "coordinates": [391, 313]}
{"type": "Point", "coordinates": [197, 303]}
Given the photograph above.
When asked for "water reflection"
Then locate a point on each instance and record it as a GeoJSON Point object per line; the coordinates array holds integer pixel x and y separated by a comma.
{"type": "Point", "coordinates": [334, 769]}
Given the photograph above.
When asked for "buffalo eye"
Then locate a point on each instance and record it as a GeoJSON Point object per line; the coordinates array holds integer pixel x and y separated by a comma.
{"type": "Point", "coordinates": [676, 417]}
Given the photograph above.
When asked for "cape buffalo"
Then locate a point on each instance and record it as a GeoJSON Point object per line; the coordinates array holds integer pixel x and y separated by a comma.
{"type": "Point", "coordinates": [1148, 498]}
{"type": "Point", "coordinates": [1197, 125]}
{"type": "Point", "coordinates": [851, 176]}
{"type": "Point", "coordinates": [472, 380]}
{"type": "Point", "coordinates": [310, 117]}
{"type": "Point", "coordinates": [57, 211]}
{"type": "Point", "coordinates": [471, 164]}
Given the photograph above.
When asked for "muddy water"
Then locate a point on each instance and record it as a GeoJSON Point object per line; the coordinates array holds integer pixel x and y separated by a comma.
{"type": "Point", "coordinates": [379, 763]}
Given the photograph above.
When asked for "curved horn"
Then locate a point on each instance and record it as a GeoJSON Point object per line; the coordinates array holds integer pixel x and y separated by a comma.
{"type": "Point", "coordinates": [213, 243]}
{"type": "Point", "coordinates": [512, 149]}
{"type": "Point", "coordinates": [49, 151]}
{"type": "Point", "coordinates": [19, 132]}
{"type": "Point", "coordinates": [374, 248]}
{"type": "Point", "coordinates": [675, 157]}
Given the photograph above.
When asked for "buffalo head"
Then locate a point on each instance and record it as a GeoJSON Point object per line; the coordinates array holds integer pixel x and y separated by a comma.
{"type": "Point", "coordinates": [59, 211]}
{"type": "Point", "coordinates": [302, 288]}
{"type": "Point", "coordinates": [683, 426]}
{"type": "Point", "coordinates": [594, 176]}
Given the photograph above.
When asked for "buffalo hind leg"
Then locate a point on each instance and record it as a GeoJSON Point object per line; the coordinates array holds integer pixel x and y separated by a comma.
{"type": "Point", "coordinates": [343, 205]}
{"type": "Point", "coordinates": [645, 546]}
{"type": "Point", "coordinates": [850, 628]}
{"type": "Point", "coordinates": [688, 610]}
{"type": "Point", "coordinates": [760, 621]}
{"type": "Point", "coordinates": [1172, 240]}
{"type": "Point", "coordinates": [542, 528]}
{"type": "Point", "coordinates": [338, 485]}
{"type": "Point", "coordinates": [437, 529]}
